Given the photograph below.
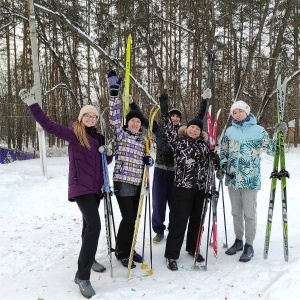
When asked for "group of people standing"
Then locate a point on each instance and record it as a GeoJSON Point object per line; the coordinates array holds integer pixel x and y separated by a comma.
{"type": "Point", "coordinates": [179, 181]}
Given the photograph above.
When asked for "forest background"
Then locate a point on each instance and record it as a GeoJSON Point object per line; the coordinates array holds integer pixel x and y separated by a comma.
{"type": "Point", "coordinates": [80, 40]}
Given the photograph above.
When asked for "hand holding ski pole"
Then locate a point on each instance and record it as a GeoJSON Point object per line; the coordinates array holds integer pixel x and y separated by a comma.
{"type": "Point", "coordinates": [27, 97]}
{"type": "Point", "coordinates": [106, 149]}
{"type": "Point", "coordinates": [281, 127]}
{"type": "Point", "coordinates": [148, 160]}
{"type": "Point", "coordinates": [220, 174]}
{"type": "Point", "coordinates": [114, 82]}
{"type": "Point", "coordinates": [216, 159]}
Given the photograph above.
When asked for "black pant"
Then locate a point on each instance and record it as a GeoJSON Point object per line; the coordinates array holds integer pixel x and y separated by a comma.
{"type": "Point", "coordinates": [88, 205]}
{"type": "Point", "coordinates": [128, 207]}
{"type": "Point", "coordinates": [187, 208]}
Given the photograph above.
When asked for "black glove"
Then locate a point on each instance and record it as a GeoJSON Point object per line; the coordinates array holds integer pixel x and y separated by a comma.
{"type": "Point", "coordinates": [148, 160]}
{"type": "Point", "coordinates": [216, 159]}
{"type": "Point", "coordinates": [163, 101]}
{"type": "Point", "coordinates": [220, 174]}
{"type": "Point", "coordinates": [114, 82]}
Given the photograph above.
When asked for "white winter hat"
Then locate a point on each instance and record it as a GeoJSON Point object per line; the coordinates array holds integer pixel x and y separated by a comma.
{"type": "Point", "coordinates": [87, 109]}
{"type": "Point", "coordinates": [240, 105]}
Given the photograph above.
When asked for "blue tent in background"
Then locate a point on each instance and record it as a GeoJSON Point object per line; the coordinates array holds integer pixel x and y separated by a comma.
{"type": "Point", "coordinates": [10, 155]}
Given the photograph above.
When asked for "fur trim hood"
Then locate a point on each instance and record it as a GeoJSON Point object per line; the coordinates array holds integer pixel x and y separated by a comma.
{"type": "Point", "coordinates": [182, 131]}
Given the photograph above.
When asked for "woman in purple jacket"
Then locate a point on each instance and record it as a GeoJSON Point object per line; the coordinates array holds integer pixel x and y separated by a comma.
{"type": "Point", "coordinates": [85, 180]}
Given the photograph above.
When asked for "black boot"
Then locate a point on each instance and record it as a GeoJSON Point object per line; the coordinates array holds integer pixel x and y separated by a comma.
{"type": "Point", "coordinates": [247, 254]}
{"type": "Point", "coordinates": [125, 262]}
{"type": "Point", "coordinates": [237, 246]}
{"type": "Point", "coordinates": [137, 258]}
{"type": "Point", "coordinates": [172, 264]}
{"type": "Point", "coordinates": [199, 259]}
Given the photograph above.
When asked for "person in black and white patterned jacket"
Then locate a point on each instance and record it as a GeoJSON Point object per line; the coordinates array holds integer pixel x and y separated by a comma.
{"type": "Point", "coordinates": [191, 153]}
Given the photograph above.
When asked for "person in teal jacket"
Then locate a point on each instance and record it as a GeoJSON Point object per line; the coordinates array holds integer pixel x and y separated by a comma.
{"type": "Point", "coordinates": [240, 161]}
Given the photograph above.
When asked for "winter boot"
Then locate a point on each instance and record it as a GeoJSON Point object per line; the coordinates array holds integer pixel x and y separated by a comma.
{"type": "Point", "coordinates": [172, 264]}
{"type": "Point", "coordinates": [157, 239]}
{"type": "Point", "coordinates": [247, 254]}
{"type": "Point", "coordinates": [237, 246]}
{"type": "Point", "coordinates": [125, 262]}
{"type": "Point", "coordinates": [97, 267]}
{"type": "Point", "coordinates": [199, 259]}
{"type": "Point", "coordinates": [85, 288]}
{"type": "Point", "coordinates": [137, 258]}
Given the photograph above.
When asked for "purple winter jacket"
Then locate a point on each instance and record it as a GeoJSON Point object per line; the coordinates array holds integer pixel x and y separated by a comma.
{"type": "Point", "coordinates": [85, 165]}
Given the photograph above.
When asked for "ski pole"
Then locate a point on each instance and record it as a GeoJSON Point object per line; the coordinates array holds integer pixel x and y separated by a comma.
{"type": "Point", "coordinates": [150, 232]}
{"type": "Point", "coordinates": [207, 242]}
{"type": "Point", "coordinates": [225, 228]}
{"type": "Point", "coordinates": [144, 265]}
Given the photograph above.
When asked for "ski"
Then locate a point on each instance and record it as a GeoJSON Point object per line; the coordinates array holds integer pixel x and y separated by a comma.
{"type": "Point", "coordinates": [279, 159]}
{"type": "Point", "coordinates": [283, 174]}
{"type": "Point", "coordinates": [126, 99]}
{"type": "Point", "coordinates": [144, 190]}
{"type": "Point", "coordinates": [215, 193]}
{"type": "Point", "coordinates": [106, 190]}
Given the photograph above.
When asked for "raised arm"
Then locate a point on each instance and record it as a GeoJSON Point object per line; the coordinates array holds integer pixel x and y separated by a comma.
{"type": "Point", "coordinates": [115, 120]}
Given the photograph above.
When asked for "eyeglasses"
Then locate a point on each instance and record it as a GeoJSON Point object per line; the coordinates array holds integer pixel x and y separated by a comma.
{"type": "Point", "coordinates": [87, 116]}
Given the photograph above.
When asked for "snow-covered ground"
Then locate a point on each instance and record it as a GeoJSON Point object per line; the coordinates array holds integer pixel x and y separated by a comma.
{"type": "Point", "coordinates": [40, 242]}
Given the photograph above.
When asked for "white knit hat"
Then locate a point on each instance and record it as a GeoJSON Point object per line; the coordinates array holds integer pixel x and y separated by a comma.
{"type": "Point", "coordinates": [240, 105]}
{"type": "Point", "coordinates": [87, 109]}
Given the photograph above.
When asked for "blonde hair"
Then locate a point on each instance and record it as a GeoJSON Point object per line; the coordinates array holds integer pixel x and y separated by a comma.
{"type": "Point", "coordinates": [79, 130]}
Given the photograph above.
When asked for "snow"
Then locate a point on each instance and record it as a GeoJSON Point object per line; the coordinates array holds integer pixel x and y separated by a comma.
{"type": "Point", "coordinates": [40, 242]}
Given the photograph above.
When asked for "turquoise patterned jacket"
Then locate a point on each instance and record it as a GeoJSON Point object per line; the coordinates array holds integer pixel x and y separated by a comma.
{"type": "Point", "coordinates": [240, 153]}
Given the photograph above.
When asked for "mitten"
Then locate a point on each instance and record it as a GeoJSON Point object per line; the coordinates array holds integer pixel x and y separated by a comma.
{"type": "Point", "coordinates": [220, 174]}
{"type": "Point", "coordinates": [134, 106]}
{"type": "Point", "coordinates": [107, 149]}
{"type": "Point", "coordinates": [281, 127]}
{"type": "Point", "coordinates": [148, 160]}
{"type": "Point", "coordinates": [114, 82]}
{"type": "Point", "coordinates": [163, 101]}
{"type": "Point", "coordinates": [206, 94]}
{"type": "Point", "coordinates": [27, 97]}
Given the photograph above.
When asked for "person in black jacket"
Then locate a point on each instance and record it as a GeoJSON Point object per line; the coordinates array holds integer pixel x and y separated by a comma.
{"type": "Point", "coordinates": [191, 152]}
{"type": "Point", "coordinates": [163, 187]}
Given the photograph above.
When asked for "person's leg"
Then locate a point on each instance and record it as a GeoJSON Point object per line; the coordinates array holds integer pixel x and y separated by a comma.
{"type": "Point", "coordinates": [159, 200]}
{"type": "Point", "coordinates": [88, 205]}
{"type": "Point", "coordinates": [171, 194]}
{"type": "Point", "coordinates": [194, 220]}
{"type": "Point", "coordinates": [237, 212]}
{"type": "Point", "coordinates": [128, 207]}
{"type": "Point", "coordinates": [182, 210]}
{"type": "Point", "coordinates": [249, 198]}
